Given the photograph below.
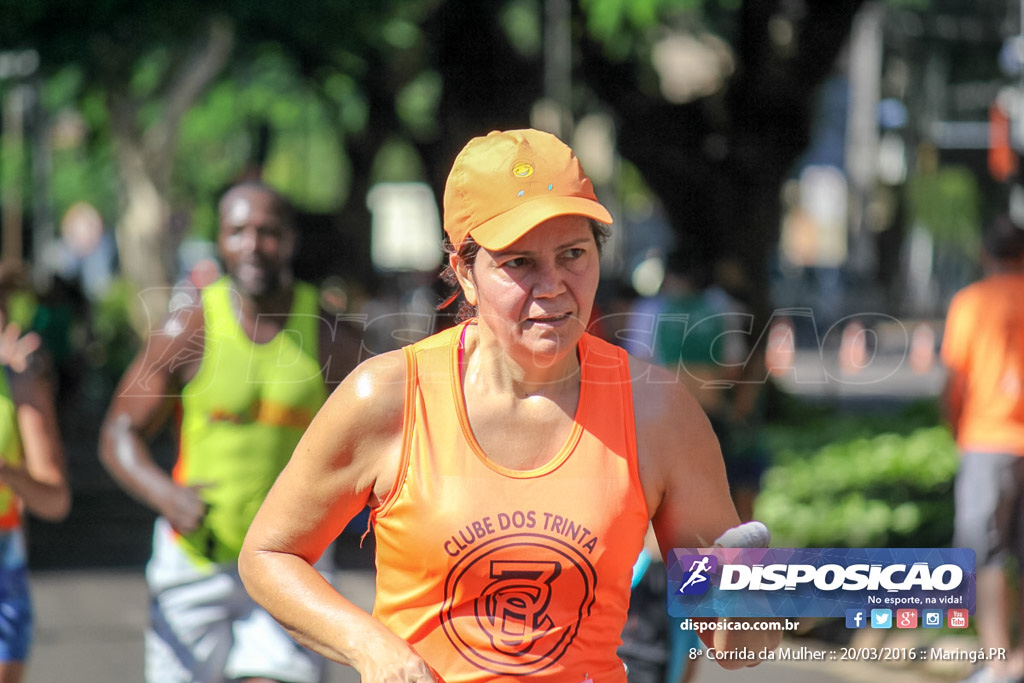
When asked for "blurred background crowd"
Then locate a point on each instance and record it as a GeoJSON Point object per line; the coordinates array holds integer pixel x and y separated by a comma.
{"type": "Point", "coordinates": [821, 168]}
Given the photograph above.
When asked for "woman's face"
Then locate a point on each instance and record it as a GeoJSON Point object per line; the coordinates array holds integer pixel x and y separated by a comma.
{"type": "Point", "coordinates": [536, 295]}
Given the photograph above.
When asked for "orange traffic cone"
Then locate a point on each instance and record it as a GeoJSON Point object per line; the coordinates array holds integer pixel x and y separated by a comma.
{"type": "Point", "coordinates": [922, 349]}
{"type": "Point", "coordinates": [780, 354]}
{"type": "Point", "coordinates": [853, 348]}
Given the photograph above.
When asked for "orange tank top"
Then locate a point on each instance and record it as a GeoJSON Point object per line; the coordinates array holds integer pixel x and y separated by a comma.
{"type": "Point", "coordinates": [495, 574]}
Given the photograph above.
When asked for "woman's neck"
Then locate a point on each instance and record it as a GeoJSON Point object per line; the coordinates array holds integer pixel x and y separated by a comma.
{"type": "Point", "coordinates": [493, 369]}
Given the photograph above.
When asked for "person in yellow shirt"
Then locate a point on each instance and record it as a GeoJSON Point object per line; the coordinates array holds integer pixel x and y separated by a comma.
{"type": "Point", "coordinates": [33, 475]}
{"type": "Point", "coordinates": [245, 367]}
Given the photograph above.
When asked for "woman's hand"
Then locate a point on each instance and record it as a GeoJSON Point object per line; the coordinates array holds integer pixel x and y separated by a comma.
{"type": "Point", "coordinates": [16, 349]}
{"type": "Point", "coordinates": [394, 661]}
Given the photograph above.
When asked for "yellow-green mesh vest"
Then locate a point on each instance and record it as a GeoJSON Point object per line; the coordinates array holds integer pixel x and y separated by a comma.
{"type": "Point", "coordinates": [10, 451]}
{"type": "Point", "coordinates": [243, 414]}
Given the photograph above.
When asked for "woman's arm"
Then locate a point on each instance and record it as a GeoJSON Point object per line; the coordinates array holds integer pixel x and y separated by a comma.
{"type": "Point", "coordinates": [347, 459]}
{"type": "Point", "coordinates": [681, 466]}
{"type": "Point", "coordinates": [951, 399]}
{"type": "Point", "coordinates": [41, 483]}
{"type": "Point", "coordinates": [684, 482]}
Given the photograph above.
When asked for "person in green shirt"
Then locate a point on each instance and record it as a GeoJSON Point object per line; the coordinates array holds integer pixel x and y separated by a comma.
{"type": "Point", "coordinates": [33, 475]}
{"type": "Point", "coordinates": [244, 368]}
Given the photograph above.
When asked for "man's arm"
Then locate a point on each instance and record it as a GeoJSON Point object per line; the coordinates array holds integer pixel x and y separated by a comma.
{"type": "Point", "coordinates": [143, 401]}
{"type": "Point", "coordinates": [952, 400]}
{"type": "Point", "coordinates": [348, 458]}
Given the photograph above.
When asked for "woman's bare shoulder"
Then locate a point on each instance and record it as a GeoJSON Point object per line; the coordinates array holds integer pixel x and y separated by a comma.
{"type": "Point", "coordinates": [372, 396]}
{"type": "Point", "coordinates": [660, 398]}
{"type": "Point", "coordinates": [676, 447]}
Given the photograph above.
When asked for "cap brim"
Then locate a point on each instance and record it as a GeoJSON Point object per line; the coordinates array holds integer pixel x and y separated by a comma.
{"type": "Point", "coordinates": [506, 228]}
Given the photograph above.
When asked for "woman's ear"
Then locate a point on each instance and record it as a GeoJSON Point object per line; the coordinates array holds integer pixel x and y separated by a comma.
{"type": "Point", "coordinates": [465, 275]}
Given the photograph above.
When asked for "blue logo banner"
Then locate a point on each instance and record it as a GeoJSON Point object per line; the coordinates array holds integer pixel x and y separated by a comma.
{"type": "Point", "coordinates": [818, 582]}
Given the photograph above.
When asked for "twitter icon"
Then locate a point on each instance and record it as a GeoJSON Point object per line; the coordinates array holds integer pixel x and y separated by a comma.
{"type": "Point", "coordinates": [881, 618]}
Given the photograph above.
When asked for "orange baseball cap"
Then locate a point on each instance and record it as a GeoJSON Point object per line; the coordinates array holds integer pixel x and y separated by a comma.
{"type": "Point", "coordinates": [506, 182]}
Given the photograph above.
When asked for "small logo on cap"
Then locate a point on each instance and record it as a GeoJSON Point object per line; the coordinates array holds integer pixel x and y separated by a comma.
{"type": "Point", "coordinates": [522, 169]}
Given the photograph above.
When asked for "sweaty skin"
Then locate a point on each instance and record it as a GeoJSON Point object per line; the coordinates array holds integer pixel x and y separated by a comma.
{"type": "Point", "coordinates": [521, 378]}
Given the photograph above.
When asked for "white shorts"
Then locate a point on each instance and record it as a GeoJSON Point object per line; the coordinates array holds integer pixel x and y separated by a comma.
{"type": "Point", "coordinates": [205, 628]}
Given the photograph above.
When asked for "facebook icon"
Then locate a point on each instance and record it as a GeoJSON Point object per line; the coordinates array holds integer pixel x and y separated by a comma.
{"type": "Point", "coordinates": [856, 618]}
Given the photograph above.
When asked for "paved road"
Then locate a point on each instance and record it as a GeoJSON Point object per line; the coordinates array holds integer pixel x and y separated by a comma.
{"type": "Point", "coordinates": [90, 625]}
{"type": "Point", "coordinates": [90, 621]}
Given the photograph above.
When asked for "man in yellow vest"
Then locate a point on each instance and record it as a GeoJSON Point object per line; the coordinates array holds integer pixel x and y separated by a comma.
{"type": "Point", "coordinates": [244, 368]}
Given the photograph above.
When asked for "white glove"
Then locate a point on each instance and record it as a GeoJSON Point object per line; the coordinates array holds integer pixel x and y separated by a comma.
{"type": "Point", "coordinates": [749, 535]}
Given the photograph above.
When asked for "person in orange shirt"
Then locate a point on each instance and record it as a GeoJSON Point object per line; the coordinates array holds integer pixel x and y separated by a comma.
{"type": "Point", "coordinates": [512, 463]}
{"type": "Point", "coordinates": [983, 350]}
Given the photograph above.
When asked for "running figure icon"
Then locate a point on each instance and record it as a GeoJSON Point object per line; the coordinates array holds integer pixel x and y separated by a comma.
{"type": "Point", "coordinates": [697, 573]}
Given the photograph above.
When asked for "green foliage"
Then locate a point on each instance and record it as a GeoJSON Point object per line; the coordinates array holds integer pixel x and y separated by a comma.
{"type": "Point", "coordinates": [343, 92]}
{"type": "Point", "coordinates": [397, 162]}
{"type": "Point", "coordinates": [82, 161]}
{"type": "Point", "coordinates": [400, 33]}
{"type": "Point", "coordinates": [417, 104]}
{"type": "Point", "coordinates": [217, 141]}
{"type": "Point", "coordinates": [523, 21]}
{"type": "Point", "coordinates": [861, 481]}
{"type": "Point", "coordinates": [113, 342]}
{"type": "Point", "coordinates": [947, 202]}
{"type": "Point", "coordinates": [305, 164]}
{"type": "Point", "coordinates": [612, 21]}
{"type": "Point", "coordinates": [150, 71]}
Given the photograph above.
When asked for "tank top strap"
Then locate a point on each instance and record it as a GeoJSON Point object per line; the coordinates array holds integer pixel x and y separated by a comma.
{"type": "Point", "coordinates": [428, 381]}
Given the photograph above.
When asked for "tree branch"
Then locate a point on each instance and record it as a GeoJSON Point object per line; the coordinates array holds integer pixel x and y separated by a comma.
{"type": "Point", "coordinates": [192, 79]}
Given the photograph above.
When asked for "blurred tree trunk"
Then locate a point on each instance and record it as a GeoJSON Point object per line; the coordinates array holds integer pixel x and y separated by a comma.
{"type": "Point", "coordinates": [718, 163]}
{"type": "Point", "coordinates": [488, 85]}
{"type": "Point", "coordinates": [145, 161]}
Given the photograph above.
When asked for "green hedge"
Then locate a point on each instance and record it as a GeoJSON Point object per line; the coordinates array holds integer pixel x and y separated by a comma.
{"type": "Point", "coordinates": [860, 480]}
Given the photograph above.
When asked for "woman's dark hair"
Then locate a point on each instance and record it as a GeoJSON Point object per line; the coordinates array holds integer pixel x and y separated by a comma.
{"type": "Point", "coordinates": [1003, 239]}
{"type": "Point", "coordinates": [467, 252]}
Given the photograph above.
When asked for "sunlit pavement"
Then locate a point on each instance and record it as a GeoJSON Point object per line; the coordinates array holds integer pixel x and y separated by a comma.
{"type": "Point", "coordinates": [825, 662]}
{"type": "Point", "coordinates": [90, 626]}
{"type": "Point", "coordinates": [887, 375]}
{"type": "Point", "coordinates": [90, 623]}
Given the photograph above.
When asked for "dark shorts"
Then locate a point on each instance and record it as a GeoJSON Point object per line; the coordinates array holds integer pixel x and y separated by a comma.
{"type": "Point", "coordinates": [645, 646]}
{"type": "Point", "coordinates": [654, 649]}
{"type": "Point", "coordinates": [15, 601]}
{"type": "Point", "coordinates": [989, 507]}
